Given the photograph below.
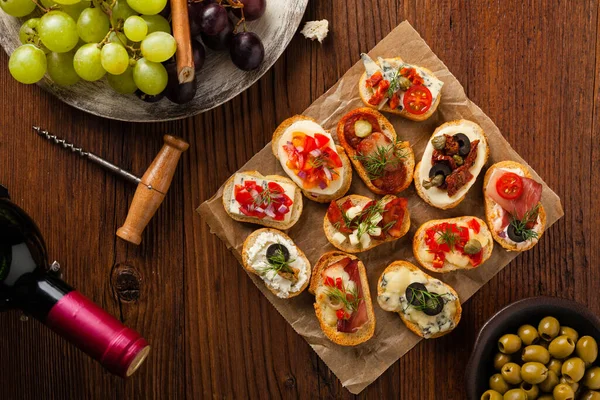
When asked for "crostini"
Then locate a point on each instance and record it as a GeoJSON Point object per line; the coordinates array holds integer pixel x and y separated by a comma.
{"type": "Point", "coordinates": [513, 209]}
{"type": "Point", "coordinates": [311, 159]}
{"type": "Point", "coordinates": [451, 163]}
{"type": "Point", "coordinates": [393, 86]}
{"type": "Point", "coordinates": [427, 306]}
{"type": "Point", "coordinates": [445, 245]}
{"type": "Point", "coordinates": [272, 200]}
{"type": "Point", "coordinates": [357, 223]}
{"type": "Point", "coordinates": [383, 162]}
{"type": "Point", "coordinates": [275, 258]}
{"type": "Point", "coordinates": [342, 299]}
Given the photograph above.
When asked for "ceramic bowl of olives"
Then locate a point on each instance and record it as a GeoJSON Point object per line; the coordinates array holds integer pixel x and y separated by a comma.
{"type": "Point", "coordinates": [537, 348]}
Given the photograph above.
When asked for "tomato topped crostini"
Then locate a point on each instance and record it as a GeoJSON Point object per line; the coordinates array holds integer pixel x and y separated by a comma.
{"type": "Point", "coordinates": [453, 158]}
{"type": "Point", "coordinates": [446, 245]}
{"type": "Point", "coordinates": [273, 201]}
{"type": "Point", "coordinates": [311, 159]}
{"type": "Point", "coordinates": [513, 209]}
{"type": "Point", "coordinates": [382, 161]}
{"type": "Point", "coordinates": [357, 223]}
{"type": "Point", "coordinates": [394, 86]}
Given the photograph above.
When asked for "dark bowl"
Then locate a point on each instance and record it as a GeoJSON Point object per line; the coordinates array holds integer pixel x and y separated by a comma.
{"type": "Point", "coordinates": [508, 320]}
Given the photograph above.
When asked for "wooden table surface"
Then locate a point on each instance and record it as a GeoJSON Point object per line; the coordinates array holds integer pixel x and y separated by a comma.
{"type": "Point", "coordinates": [530, 65]}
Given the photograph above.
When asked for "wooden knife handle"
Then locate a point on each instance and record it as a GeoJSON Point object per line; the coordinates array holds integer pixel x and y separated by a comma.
{"type": "Point", "coordinates": [150, 193]}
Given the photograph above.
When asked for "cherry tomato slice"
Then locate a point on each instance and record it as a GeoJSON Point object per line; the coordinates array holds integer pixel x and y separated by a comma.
{"type": "Point", "coordinates": [509, 186]}
{"type": "Point", "coordinates": [417, 100]}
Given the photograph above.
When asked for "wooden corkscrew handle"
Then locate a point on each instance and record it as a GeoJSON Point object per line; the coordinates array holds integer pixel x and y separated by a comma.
{"type": "Point", "coordinates": [150, 193]}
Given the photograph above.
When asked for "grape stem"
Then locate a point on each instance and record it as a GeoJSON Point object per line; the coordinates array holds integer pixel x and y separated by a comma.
{"type": "Point", "coordinates": [240, 5]}
{"type": "Point", "coordinates": [44, 9]}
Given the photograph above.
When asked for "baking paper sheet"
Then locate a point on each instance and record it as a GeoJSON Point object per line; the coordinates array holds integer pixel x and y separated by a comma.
{"type": "Point", "coordinates": [391, 339]}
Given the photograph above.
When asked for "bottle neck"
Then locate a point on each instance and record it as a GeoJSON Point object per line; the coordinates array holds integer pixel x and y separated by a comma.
{"type": "Point", "coordinates": [37, 293]}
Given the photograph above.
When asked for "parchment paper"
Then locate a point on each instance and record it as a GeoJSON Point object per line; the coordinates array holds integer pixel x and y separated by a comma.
{"type": "Point", "coordinates": [359, 366]}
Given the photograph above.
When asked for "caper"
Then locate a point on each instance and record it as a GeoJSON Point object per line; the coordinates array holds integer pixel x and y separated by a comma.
{"type": "Point", "coordinates": [458, 160]}
{"type": "Point", "coordinates": [509, 343]}
{"type": "Point", "coordinates": [555, 365]}
{"type": "Point", "coordinates": [587, 349]}
{"type": "Point", "coordinates": [528, 334]}
{"type": "Point", "coordinates": [434, 182]}
{"type": "Point", "coordinates": [536, 353]}
{"type": "Point", "coordinates": [590, 395]}
{"type": "Point", "coordinates": [569, 332]}
{"type": "Point", "coordinates": [561, 347]}
{"type": "Point", "coordinates": [498, 384]}
{"type": "Point", "coordinates": [404, 83]}
{"type": "Point", "coordinates": [574, 385]}
{"type": "Point", "coordinates": [515, 394]}
{"type": "Point", "coordinates": [563, 391]}
{"type": "Point", "coordinates": [500, 359]}
{"type": "Point", "coordinates": [532, 391]}
{"type": "Point", "coordinates": [439, 142]}
{"type": "Point", "coordinates": [549, 328]}
{"type": "Point", "coordinates": [591, 379]}
{"type": "Point", "coordinates": [473, 246]}
{"type": "Point", "coordinates": [534, 372]}
{"type": "Point", "coordinates": [491, 395]}
{"type": "Point", "coordinates": [548, 384]}
{"type": "Point", "coordinates": [573, 369]}
{"type": "Point", "coordinates": [511, 373]}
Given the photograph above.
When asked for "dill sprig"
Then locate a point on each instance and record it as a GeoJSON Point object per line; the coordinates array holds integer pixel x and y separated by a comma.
{"type": "Point", "coordinates": [342, 296]}
{"type": "Point", "coordinates": [426, 299]}
{"type": "Point", "coordinates": [448, 236]}
{"type": "Point", "coordinates": [384, 156]}
{"type": "Point", "coordinates": [266, 197]}
{"type": "Point", "coordinates": [278, 263]}
{"type": "Point", "coordinates": [366, 215]}
{"type": "Point", "coordinates": [521, 225]}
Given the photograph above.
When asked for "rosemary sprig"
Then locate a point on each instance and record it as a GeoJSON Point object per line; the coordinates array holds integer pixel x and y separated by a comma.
{"type": "Point", "coordinates": [342, 296]}
{"type": "Point", "coordinates": [425, 299]}
{"type": "Point", "coordinates": [521, 225]}
{"type": "Point", "coordinates": [384, 156]}
{"type": "Point", "coordinates": [278, 263]}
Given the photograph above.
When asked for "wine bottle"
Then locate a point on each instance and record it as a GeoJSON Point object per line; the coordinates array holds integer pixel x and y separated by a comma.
{"type": "Point", "coordinates": [27, 283]}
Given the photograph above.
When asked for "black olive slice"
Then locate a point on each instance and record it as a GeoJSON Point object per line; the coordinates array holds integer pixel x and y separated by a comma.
{"type": "Point", "coordinates": [414, 293]}
{"type": "Point", "coordinates": [275, 248]}
{"type": "Point", "coordinates": [464, 144]}
{"type": "Point", "coordinates": [440, 168]}
{"type": "Point", "coordinates": [513, 235]}
{"type": "Point", "coordinates": [433, 304]}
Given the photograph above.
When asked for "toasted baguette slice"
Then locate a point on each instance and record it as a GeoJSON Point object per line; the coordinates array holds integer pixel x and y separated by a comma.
{"type": "Point", "coordinates": [254, 259]}
{"type": "Point", "coordinates": [420, 248]}
{"type": "Point", "coordinates": [365, 332]}
{"type": "Point", "coordinates": [366, 93]}
{"type": "Point", "coordinates": [387, 300]}
{"type": "Point", "coordinates": [439, 198]}
{"type": "Point", "coordinates": [359, 200]}
{"type": "Point", "coordinates": [490, 213]}
{"type": "Point", "coordinates": [296, 207]}
{"type": "Point", "coordinates": [388, 130]}
{"type": "Point", "coordinates": [345, 173]}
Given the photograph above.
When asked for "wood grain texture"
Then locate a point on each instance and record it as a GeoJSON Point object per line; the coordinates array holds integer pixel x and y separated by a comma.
{"type": "Point", "coordinates": [531, 65]}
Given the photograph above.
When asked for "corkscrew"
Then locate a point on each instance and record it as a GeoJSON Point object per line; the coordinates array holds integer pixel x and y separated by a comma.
{"type": "Point", "coordinates": [151, 187]}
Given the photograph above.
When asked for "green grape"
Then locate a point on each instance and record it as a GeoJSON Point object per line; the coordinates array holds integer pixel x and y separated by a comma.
{"type": "Point", "coordinates": [58, 31]}
{"type": "Point", "coordinates": [157, 23]}
{"type": "Point", "coordinates": [118, 37]}
{"type": "Point", "coordinates": [121, 11]}
{"type": "Point", "coordinates": [147, 7]}
{"type": "Point", "coordinates": [29, 31]}
{"type": "Point", "coordinates": [17, 8]}
{"type": "Point", "coordinates": [115, 59]}
{"type": "Point", "coordinates": [48, 3]}
{"type": "Point", "coordinates": [158, 47]}
{"type": "Point", "coordinates": [27, 64]}
{"type": "Point", "coordinates": [135, 28]}
{"type": "Point", "coordinates": [76, 9]}
{"type": "Point", "coordinates": [150, 77]}
{"type": "Point", "coordinates": [93, 25]}
{"type": "Point", "coordinates": [88, 62]}
{"type": "Point", "coordinates": [123, 83]}
{"type": "Point", "coordinates": [60, 68]}
{"type": "Point", "coordinates": [67, 2]}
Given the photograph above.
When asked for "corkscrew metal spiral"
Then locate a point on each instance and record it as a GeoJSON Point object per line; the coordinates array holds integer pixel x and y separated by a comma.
{"type": "Point", "coordinates": [61, 142]}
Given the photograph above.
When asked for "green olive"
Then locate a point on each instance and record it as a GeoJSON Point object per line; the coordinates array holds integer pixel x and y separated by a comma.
{"type": "Point", "coordinates": [590, 395]}
{"type": "Point", "coordinates": [563, 392]}
{"type": "Point", "coordinates": [534, 372]}
{"type": "Point", "coordinates": [545, 397]}
{"type": "Point", "coordinates": [511, 373]}
{"type": "Point", "coordinates": [561, 347]}
{"type": "Point", "coordinates": [555, 365]}
{"type": "Point", "coordinates": [548, 384]}
{"type": "Point", "coordinates": [500, 359]}
{"type": "Point", "coordinates": [543, 343]}
{"type": "Point", "coordinates": [498, 384]}
{"type": "Point", "coordinates": [573, 369]}
{"type": "Point", "coordinates": [532, 391]}
{"type": "Point", "coordinates": [528, 334]}
{"type": "Point", "coordinates": [536, 353]}
{"type": "Point", "coordinates": [587, 349]}
{"type": "Point", "coordinates": [491, 395]}
{"type": "Point", "coordinates": [570, 332]}
{"type": "Point", "coordinates": [549, 328]}
{"type": "Point", "coordinates": [591, 379]}
{"type": "Point", "coordinates": [574, 385]}
{"type": "Point", "coordinates": [509, 344]}
{"type": "Point", "coordinates": [515, 394]}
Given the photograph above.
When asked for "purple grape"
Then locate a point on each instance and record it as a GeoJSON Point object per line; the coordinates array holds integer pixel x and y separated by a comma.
{"type": "Point", "coordinates": [199, 54]}
{"type": "Point", "coordinates": [176, 92]}
{"type": "Point", "coordinates": [247, 51]}
{"type": "Point", "coordinates": [221, 40]}
{"type": "Point", "coordinates": [212, 19]}
{"type": "Point", "coordinates": [253, 9]}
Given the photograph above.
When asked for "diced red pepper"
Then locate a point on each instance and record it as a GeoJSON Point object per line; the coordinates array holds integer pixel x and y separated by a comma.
{"type": "Point", "coordinates": [438, 260]}
{"type": "Point", "coordinates": [244, 197]}
{"type": "Point", "coordinates": [342, 314]}
{"type": "Point", "coordinates": [394, 101]}
{"type": "Point", "coordinates": [476, 258]}
{"type": "Point", "coordinates": [463, 234]}
{"type": "Point", "coordinates": [374, 79]}
{"type": "Point", "coordinates": [329, 281]}
{"type": "Point", "coordinates": [339, 283]}
{"type": "Point", "coordinates": [275, 187]}
{"type": "Point", "coordinates": [473, 224]}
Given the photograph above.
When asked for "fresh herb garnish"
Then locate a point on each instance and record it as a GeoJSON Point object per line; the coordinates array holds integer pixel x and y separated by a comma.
{"type": "Point", "coordinates": [388, 226]}
{"type": "Point", "coordinates": [447, 236]}
{"type": "Point", "coordinates": [520, 226]}
{"type": "Point", "coordinates": [266, 197]}
{"type": "Point", "coordinates": [342, 296]}
{"type": "Point", "coordinates": [384, 156]}
{"type": "Point", "coordinates": [394, 84]}
{"type": "Point", "coordinates": [366, 216]}
{"type": "Point", "coordinates": [426, 299]}
{"type": "Point", "coordinates": [278, 263]}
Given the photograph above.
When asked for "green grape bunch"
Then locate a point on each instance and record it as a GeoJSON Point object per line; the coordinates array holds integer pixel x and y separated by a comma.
{"type": "Point", "coordinates": [125, 41]}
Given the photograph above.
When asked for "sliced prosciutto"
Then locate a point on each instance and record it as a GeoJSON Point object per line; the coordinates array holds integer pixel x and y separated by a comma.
{"type": "Point", "coordinates": [394, 172]}
{"type": "Point", "coordinates": [519, 207]}
{"type": "Point", "coordinates": [359, 317]}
